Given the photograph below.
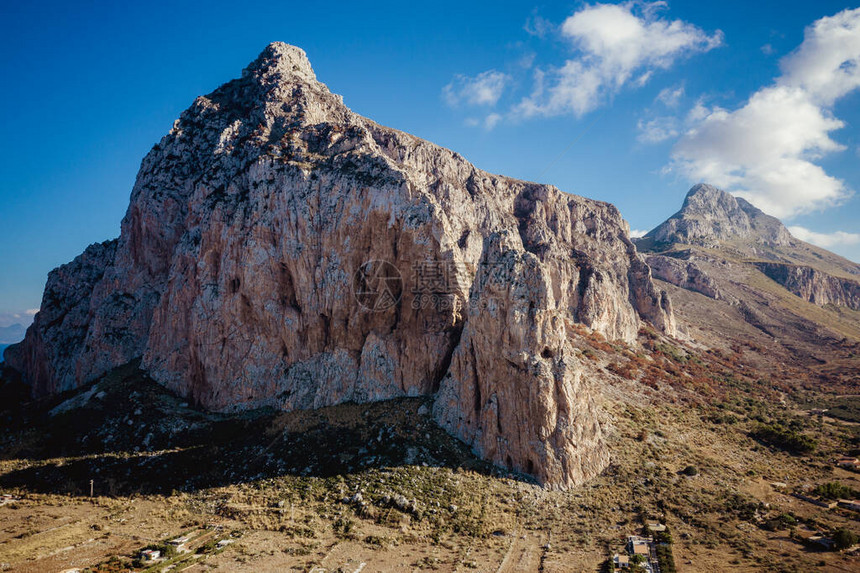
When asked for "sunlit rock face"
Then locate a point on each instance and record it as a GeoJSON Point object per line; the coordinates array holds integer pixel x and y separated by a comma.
{"type": "Point", "coordinates": [711, 217]}
{"type": "Point", "coordinates": [280, 250]}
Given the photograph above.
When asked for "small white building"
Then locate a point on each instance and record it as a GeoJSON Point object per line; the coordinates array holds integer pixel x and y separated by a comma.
{"type": "Point", "coordinates": [150, 555]}
{"type": "Point", "coordinates": [637, 545]}
{"type": "Point", "coordinates": [179, 543]}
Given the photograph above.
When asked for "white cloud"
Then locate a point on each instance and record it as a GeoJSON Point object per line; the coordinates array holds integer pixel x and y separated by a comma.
{"type": "Point", "coordinates": [617, 45]}
{"type": "Point", "coordinates": [765, 151]}
{"type": "Point", "coordinates": [670, 96]}
{"type": "Point", "coordinates": [526, 61]}
{"type": "Point", "coordinates": [825, 240]}
{"type": "Point", "coordinates": [767, 50]}
{"type": "Point", "coordinates": [538, 26]}
{"type": "Point", "coordinates": [657, 129]}
{"type": "Point", "coordinates": [637, 233]}
{"type": "Point", "coordinates": [31, 311]}
{"type": "Point", "coordinates": [491, 120]}
{"type": "Point", "coordinates": [826, 64]}
{"type": "Point", "coordinates": [484, 89]}
{"type": "Point", "coordinates": [487, 123]}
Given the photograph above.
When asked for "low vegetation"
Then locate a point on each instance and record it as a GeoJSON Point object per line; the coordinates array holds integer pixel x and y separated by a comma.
{"type": "Point", "coordinates": [381, 483]}
{"type": "Point", "coordinates": [788, 439]}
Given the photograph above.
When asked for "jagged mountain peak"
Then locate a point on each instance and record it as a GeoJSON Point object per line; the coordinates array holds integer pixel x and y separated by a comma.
{"type": "Point", "coordinates": [279, 58]}
{"type": "Point", "coordinates": [710, 216]}
{"type": "Point", "coordinates": [276, 93]}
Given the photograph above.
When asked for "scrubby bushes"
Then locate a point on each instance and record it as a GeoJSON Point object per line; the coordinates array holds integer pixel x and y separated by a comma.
{"type": "Point", "coordinates": [690, 471]}
{"type": "Point", "coordinates": [843, 539]}
{"type": "Point", "coordinates": [782, 521]}
{"type": "Point", "coordinates": [833, 490]}
{"type": "Point", "coordinates": [787, 439]}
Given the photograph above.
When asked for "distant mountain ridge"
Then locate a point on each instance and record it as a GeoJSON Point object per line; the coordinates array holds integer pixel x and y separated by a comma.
{"type": "Point", "coordinates": [710, 216]}
{"type": "Point", "coordinates": [712, 219]}
{"type": "Point", "coordinates": [12, 333]}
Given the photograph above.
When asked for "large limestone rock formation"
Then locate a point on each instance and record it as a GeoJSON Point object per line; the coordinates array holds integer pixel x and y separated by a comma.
{"type": "Point", "coordinates": [280, 250]}
{"type": "Point", "coordinates": [50, 354]}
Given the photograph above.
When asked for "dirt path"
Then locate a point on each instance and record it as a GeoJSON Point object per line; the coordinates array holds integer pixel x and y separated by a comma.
{"type": "Point", "coordinates": [524, 554]}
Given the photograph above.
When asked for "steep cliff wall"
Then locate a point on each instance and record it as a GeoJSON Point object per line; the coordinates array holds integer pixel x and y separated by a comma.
{"type": "Point", "coordinates": [50, 353]}
{"type": "Point", "coordinates": [814, 285]}
{"type": "Point", "coordinates": [683, 273]}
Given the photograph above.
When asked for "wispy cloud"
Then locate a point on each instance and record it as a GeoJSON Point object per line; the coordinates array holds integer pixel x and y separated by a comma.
{"type": "Point", "coordinates": [485, 89]}
{"type": "Point", "coordinates": [657, 129]}
{"type": "Point", "coordinates": [538, 26]}
{"type": "Point", "coordinates": [766, 150]}
{"type": "Point", "coordinates": [670, 97]}
{"type": "Point", "coordinates": [488, 123]}
{"type": "Point", "coordinates": [617, 45]}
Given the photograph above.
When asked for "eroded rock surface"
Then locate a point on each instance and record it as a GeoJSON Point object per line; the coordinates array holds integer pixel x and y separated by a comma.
{"type": "Point", "coordinates": [245, 243]}
{"type": "Point", "coordinates": [684, 273]}
{"type": "Point", "coordinates": [813, 285]}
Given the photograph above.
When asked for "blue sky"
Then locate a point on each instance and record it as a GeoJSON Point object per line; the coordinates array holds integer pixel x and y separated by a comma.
{"type": "Point", "coordinates": [626, 102]}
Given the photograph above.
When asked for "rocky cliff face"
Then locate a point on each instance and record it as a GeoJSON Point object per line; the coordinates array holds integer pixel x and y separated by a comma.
{"type": "Point", "coordinates": [813, 285]}
{"type": "Point", "coordinates": [711, 216]}
{"type": "Point", "coordinates": [685, 273]}
{"type": "Point", "coordinates": [280, 250]}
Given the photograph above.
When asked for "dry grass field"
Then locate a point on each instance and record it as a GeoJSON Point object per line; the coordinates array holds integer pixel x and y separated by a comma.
{"type": "Point", "coordinates": [380, 487]}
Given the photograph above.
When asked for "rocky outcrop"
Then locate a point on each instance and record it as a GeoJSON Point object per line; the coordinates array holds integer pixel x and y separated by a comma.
{"type": "Point", "coordinates": [516, 390]}
{"type": "Point", "coordinates": [280, 250]}
{"type": "Point", "coordinates": [710, 217]}
{"type": "Point", "coordinates": [50, 354]}
{"type": "Point", "coordinates": [685, 274]}
{"type": "Point", "coordinates": [814, 285]}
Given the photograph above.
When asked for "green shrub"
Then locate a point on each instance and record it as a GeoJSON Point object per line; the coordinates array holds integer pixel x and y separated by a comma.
{"type": "Point", "coordinates": [833, 490]}
{"type": "Point", "coordinates": [787, 439]}
{"type": "Point", "coordinates": [844, 538]}
{"type": "Point", "coordinates": [666, 559]}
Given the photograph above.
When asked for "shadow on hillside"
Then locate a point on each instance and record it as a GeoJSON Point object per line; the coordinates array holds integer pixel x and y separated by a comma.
{"type": "Point", "coordinates": [129, 435]}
